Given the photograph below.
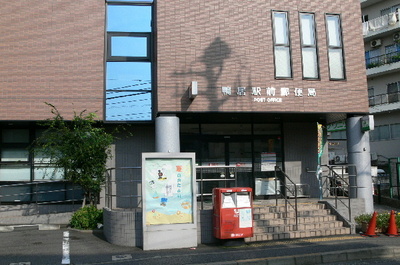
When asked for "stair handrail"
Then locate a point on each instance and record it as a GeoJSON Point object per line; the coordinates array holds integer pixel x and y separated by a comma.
{"type": "Point", "coordinates": [284, 195]}
{"type": "Point", "coordinates": [351, 187]}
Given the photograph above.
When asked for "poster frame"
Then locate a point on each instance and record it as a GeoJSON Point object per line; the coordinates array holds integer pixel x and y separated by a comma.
{"type": "Point", "coordinates": [179, 235]}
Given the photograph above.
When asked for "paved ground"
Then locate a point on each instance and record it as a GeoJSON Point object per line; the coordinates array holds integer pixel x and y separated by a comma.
{"type": "Point", "coordinates": [29, 246]}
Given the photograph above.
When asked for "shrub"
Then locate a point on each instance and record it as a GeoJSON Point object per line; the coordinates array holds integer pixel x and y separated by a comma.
{"type": "Point", "coordinates": [382, 219]}
{"type": "Point", "coordinates": [86, 218]}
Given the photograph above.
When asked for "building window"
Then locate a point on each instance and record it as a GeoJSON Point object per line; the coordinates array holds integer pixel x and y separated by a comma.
{"type": "Point", "coordinates": [380, 133]}
{"type": "Point", "coordinates": [395, 131]}
{"type": "Point", "coordinates": [283, 68]}
{"type": "Point", "coordinates": [392, 53]}
{"type": "Point", "coordinates": [335, 48]}
{"type": "Point", "coordinates": [309, 46]}
{"type": "Point", "coordinates": [129, 61]}
{"type": "Point", "coordinates": [371, 96]}
{"type": "Point", "coordinates": [390, 10]}
{"type": "Point", "coordinates": [393, 91]}
{"type": "Point", "coordinates": [17, 162]}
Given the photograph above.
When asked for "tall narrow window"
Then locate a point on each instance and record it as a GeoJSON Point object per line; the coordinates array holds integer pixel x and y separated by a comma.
{"type": "Point", "coordinates": [129, 61]}
{"type": "Point", "coordinates": [335, 48]}
{"type": "Point", "coordinates": [283, 67]}
{"type": "Point", "coordinates": [309, 46]}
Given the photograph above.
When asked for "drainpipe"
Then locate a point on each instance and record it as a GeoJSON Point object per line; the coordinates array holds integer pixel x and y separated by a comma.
{"type": "Point", "coordinates": [167, 134]}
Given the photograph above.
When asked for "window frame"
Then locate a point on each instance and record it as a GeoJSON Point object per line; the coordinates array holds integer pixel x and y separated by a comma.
{"type": "Point", "coordinates": [392, 126]}
{"type": "Point", "coordinates": [309, 46]}
{"type": "Point", "coordinates": [111, 58]}
{"type": "Point", "coordinates": [335, 47]}
{"type": "Point", "coordinates": [376, 134]}
{"type": "Point", "coordinates": [279, 45]}
{"type": "Point", "coordinates": [149, 57]}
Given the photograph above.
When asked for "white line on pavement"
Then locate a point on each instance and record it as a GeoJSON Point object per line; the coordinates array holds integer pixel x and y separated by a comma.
{"type": "Point", "coordinates": [65, 248]}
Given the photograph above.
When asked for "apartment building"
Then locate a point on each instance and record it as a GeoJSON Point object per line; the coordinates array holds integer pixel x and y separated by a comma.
{"type": "Point", "coordinates": [381, 31]}
{"type": "Point", "coordinates": [245, 84]}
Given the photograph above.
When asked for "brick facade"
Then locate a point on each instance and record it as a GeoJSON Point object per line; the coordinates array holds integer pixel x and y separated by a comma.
{"type": "Point", "coordinates": [229, 43]}
{"type": "Point", "coordinates": [52, 51]}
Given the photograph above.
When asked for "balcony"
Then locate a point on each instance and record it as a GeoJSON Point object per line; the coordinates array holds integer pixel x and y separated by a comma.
{"type": "Point", "coordinates": [366, 3]}
{"type": "Point", "coordinates": [380, 26]}
{"type": "Point", "coordinates": [383, 64]}
{"type": "Point", "coordinates": [384, 102]}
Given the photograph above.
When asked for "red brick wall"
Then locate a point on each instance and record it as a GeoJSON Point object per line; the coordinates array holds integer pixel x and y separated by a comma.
{"type": "Point", "coordinates": [51, 51]}
{"type": "Point", "coordinates": [187, 30]}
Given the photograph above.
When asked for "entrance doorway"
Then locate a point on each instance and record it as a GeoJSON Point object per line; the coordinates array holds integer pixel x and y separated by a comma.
{"type": "Point", "coordinates": [253, 148]}
{"type": "Point", "coordinates": [230, 151]}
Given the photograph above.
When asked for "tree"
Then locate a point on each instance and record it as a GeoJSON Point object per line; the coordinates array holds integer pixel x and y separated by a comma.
{"type": "Point", "coordinates": [80, 147]}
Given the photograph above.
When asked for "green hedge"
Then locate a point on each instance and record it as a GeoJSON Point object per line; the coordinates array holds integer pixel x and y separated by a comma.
{"type": "Point", "coordinates": [86, 218]}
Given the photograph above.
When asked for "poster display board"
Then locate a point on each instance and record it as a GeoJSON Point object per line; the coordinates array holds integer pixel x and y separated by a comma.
{"type": "Point", "coordinates": [169, 200]}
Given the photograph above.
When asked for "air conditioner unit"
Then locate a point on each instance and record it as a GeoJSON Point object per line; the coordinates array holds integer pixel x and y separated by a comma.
{"type": "Point", "coordinates": [376, 43]}
{"type": "Point", "coordinates": [340, 159]}
{"type": "Point", "coordinates": [396, 36]}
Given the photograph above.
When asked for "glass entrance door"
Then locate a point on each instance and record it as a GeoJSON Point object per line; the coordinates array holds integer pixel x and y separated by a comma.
{"type": "Point", "coordinates": [240, 155]}
{"type": "Point", "coordinates": [226, 151]}
{"type": "Point", "coordinates": [254, 150]}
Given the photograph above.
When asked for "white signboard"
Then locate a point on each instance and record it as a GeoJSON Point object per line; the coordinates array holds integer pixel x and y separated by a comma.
{"type": "Point", "coordinates": [268, 161]}
{"type": "Point", "coordinates": [245, 219]}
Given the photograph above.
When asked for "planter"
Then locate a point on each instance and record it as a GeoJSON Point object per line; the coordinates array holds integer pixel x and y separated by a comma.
{"type": "Point", "coordinates": [364, 228]}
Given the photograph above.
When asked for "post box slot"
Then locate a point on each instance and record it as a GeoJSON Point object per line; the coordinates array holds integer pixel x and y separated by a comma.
{"type": "Point", "coordinates": [243, 199]}
{"type": "Point", "coordinates": [228, 200]}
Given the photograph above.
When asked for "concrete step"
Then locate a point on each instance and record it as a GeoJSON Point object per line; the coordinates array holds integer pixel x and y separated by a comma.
{"type": "Point", "coordinates": [291, 214]}
{"type": "Point", "coordinates": [282, 208]}
{"type": "Point", "coordinates": [293, 227]}
{"type": "Point", "coordinates": [298, 234]}
{"type": "Point", "coordinates": [272, 222]}
{"type": "Point", "coordinates": [292, 220]}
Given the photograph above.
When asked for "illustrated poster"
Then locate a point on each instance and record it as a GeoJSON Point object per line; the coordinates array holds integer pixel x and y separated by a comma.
{"type": "Point", "coordinates": [168, 191]}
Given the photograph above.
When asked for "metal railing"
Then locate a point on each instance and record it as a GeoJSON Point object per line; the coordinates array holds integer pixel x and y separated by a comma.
{"type": "Point", "coordinates": [379, 23]}
{"type": "Point", "coordinates": [290, 190]}
{"type": "Point", "coordinates": [384, 99]}
{"type": "Point", "coordinates": [208, 177]}
{"type": "Point", "coordinates": [123, 185]}
{"type": "Point", "coordinates": [340, 183]}
{"type": "Point", "coordinates": [41, 192]}
{"type": "Point", "coordinates": [122, 188]}
{"type": "Point", "coordinates": [383, 59]}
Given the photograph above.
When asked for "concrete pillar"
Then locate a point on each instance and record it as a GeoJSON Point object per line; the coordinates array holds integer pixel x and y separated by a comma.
{"type": "Point", "coordinates": [358, 150]}
{"type": "Point", "coordinates": [167, 134]}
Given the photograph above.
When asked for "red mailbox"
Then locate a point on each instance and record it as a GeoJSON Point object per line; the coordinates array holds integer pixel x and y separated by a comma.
{"type": "Point", "coordinates": [233, 215]}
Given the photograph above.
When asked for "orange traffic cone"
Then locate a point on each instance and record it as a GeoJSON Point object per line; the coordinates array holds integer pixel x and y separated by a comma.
{"type": "Point", "coordinates": [371, 227]}
{"type": "Point", "coordinates": [392, 229]}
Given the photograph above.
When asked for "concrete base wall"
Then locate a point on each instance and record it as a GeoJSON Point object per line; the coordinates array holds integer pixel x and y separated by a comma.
{"type": "Point", "coordinates": [124, 227]}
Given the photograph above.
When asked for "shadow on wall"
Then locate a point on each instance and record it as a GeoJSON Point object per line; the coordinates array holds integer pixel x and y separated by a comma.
{"type": "Point", "coordinates": [212, 61]}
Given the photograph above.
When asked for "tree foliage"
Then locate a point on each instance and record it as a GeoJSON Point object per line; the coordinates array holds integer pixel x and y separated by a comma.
{"type": "Point", "coordinates": [80, 147]}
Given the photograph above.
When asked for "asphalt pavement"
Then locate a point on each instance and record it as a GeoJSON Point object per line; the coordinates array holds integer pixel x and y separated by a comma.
{"type": "Point", "coordinates": [27, 245]}
{"type": "Point", "coordinates": [30, 246]}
